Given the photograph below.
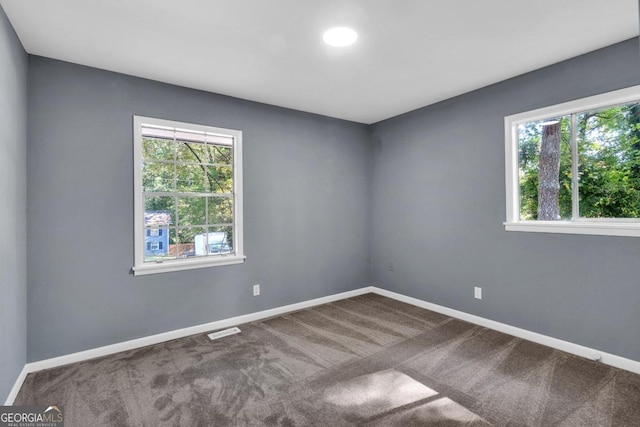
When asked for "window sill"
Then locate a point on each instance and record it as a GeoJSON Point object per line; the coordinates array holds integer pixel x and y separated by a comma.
{"type": "Point", "coordinates": [180, 265]}
{"type": "Point", "coordinates": [630, 229]}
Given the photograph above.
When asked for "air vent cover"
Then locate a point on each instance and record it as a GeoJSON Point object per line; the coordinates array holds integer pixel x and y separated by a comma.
{"type": "Point", "coordinates": [223, 333]}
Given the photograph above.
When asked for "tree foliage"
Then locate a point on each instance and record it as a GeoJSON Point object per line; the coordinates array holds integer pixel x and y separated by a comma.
{"type": "Point", "coordinates": [608, 143]}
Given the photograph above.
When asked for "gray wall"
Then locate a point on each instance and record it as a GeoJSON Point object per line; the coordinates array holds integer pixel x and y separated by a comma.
{"type": "Point", "coordinates": [438, 204]}
{"type": "Point", "coordinates": [13, 206]}
{"type": "Point", "coordinates": [305, 194]}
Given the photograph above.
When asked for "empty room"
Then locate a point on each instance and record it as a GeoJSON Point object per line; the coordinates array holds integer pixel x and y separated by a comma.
{"type": "Point", "coordinates": [320, 213]}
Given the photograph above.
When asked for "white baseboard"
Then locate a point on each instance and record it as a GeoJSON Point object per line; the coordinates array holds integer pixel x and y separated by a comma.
{"type": "Point", "coordinates": [569, 347]}
{"type": "Point", "coordinates": [589, 353]}
{"type": "Point", "coordinates": [16, 386]}
{"type": "Point", "coordinates": [172, 335]}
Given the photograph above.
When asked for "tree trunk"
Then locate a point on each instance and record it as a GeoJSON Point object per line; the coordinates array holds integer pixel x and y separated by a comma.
{"type": "Point", "coordinates": [549, 173]}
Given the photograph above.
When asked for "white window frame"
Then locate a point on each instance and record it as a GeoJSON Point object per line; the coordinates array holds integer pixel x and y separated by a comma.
{"type": "Point", "coordinates": [179, 264]}
{"type": "Point", "coordinates": [600, 226]}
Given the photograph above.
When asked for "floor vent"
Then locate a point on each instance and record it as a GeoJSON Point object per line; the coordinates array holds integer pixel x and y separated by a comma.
{"type": "Point", "coordinates": [223, 333]}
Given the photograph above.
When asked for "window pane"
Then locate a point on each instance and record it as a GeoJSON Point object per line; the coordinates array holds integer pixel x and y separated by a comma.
{"type": "Point", "coordinates": [544, 163]}
{"type": "Point", "coordinates": [182, 249]}
{"type": "Point", "coordinates": [609, 153]}
{"type": "Point", "coordinates": [194, 152]}
{"type": "Point", "coordinates": [192, 211]}
{"type": "Point", "coordinates": [157, 177]}
{"type": "Point", "coordinates": [221, 178]}
{"type": "Point", "coordinates": [223, 155]}
{"type": "Point", "coordinates": [157, 149]}
{"type": "Point", "coordinates": [193, 178]}
{"type": "Point", "coordinates": [158, 211]}
{"type": "Point", "coordinates": [220, 210]}
{"type": "Point", "coordinates": [192, 241]}
{"type": "Point", "coordinates": [220, 240]}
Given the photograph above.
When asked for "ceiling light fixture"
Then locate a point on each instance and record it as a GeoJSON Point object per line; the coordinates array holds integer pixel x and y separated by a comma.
{"type": "Point", "coordinates": [340, 36]}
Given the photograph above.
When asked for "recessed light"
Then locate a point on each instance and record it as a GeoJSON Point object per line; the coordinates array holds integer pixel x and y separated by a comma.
{"type": "Point", "coordinates": [340, 36]}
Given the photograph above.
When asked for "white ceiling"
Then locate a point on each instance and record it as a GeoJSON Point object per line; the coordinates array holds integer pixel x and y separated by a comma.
{"type": "Point", "coordinates": [410, 53]}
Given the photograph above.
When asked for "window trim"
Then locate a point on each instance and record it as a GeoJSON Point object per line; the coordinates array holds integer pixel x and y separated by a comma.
{"type": "Point", "coordinates": [140, 267]}
{"type": "Point", "coordinates": [603, 227]}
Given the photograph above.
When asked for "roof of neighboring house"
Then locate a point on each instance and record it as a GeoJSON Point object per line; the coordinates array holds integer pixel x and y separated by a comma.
{"type": "Point", "coordinates": [157, 218]}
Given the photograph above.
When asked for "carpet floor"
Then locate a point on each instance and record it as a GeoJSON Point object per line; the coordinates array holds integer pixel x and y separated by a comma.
{"type": "Point", "coordinates": [367, 360]}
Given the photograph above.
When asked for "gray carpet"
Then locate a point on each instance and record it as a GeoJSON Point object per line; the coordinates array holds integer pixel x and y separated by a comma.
{"type": "Point", "coordinates": [368, 360]}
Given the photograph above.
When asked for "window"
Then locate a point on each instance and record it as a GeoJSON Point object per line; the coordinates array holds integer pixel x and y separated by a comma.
{"type": "Point", "coordinates": [188, 196]}
{"type": "Point", "coordinates": [575, 167]}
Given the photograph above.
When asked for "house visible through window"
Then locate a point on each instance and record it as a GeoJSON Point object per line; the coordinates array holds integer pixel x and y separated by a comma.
{"type": "Point", "coordinates": [575, 167]}
{"type": "Point", "coordinates": [188, 203]}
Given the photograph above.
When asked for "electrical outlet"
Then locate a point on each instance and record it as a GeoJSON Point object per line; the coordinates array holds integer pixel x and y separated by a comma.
{"type": "Point", "coordinates": [477, 293]}
{"type": "Point", "coordinates": [256, 290]}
